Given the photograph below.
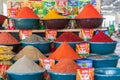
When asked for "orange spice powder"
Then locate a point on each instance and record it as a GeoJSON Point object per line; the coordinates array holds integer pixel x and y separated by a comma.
{"type": "Point", "coordinates": [26, 12]}
{"type": "Point", "coordinates": [64, 51]}
{"type": "Point", "coordinates": [89, 11]}
{"type": "Point", "coordinates": [65, 66]}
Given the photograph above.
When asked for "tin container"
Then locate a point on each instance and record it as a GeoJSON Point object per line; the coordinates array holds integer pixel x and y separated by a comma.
{"type": "Point", "coordinates": [84, 63]}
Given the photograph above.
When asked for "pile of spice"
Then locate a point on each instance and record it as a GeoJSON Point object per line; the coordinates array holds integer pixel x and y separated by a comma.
{"type": "Point", "coordinates": [34, 38]}
{"type": "Point", "coordinates": [7, 38]}
{"type": "Point", "coordinates": [89, 12]}
{"type": "Point", "coordinates": [68, 37]}
{"type": "Point", "coordinates": [52, 14]}
{"type": "Point", "coordinates": [31, 52]}
{"type": "Point", "coordinates": [25, 65]}
{"type": "Point", "coordinates": [101, 37]}
{"type": "Point", "coordinates": [6, 54]}
{"type": "Point", "coordinates": [65, 66]}
{"type": "Point", "coordinates": [26, 12]}
{"type": "Point", "coordinates": [64, 51]}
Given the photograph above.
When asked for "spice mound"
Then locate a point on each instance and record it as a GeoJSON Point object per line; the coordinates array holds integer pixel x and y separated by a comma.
{"type": "Point", "coordinates": [34, 38]}
{"type": "Point", "coordinates": [101, 37]}
{"type": "Point", "coordinates": [31, 52]}
{"type": "Point", "coordinates": [68, 37]}
{"type": "Point", "coordinates": [25, 65]}
{"type": "Point", "coordinates": [7, 38]}
{"type": "Point", "coordinates": [65, 66]}
{"type": "Point", "coordinates": [26, 12]}
{"type": "Point", "coordinates": [89, 12]}
{"type": "Point", "coordinates": [64, 51]}
{"type": "Point", "coordinates": [52, 14]}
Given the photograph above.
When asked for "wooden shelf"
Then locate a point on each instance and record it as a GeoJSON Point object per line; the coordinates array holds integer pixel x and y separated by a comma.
{"type": "Point", "coordinates": [62, 30]}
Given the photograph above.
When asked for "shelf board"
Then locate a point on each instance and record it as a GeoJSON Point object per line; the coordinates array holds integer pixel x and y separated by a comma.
{"type": "Point", "coordinates": [61, 30]}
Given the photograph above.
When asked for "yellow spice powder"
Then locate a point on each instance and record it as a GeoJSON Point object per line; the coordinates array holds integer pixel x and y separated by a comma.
{"type": "Point", "coordinates": [52, 14]}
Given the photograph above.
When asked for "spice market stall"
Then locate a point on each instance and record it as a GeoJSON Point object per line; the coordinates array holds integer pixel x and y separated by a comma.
{"type": "Point", "coordinates": [57, 40]}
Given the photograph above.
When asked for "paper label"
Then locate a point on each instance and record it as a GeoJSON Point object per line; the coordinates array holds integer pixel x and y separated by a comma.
{"type": "Point", "coordinates": [61, 2]}
{"type": "Point", "coordinates": [24, 33]}
{"type": "Point", "coordinates": [86, 34]}
{"type": "Point", "coordinates": [47, 63]}
{"type": "Point", "coordinates": [51, 35]}
{"type": "Point", "coordinates": [3, 69]}
{"type": "Point", "coordinates": [72, 2]}
{"type": "Point", "coordinates": [82, 49]}
{"type": "Point", "coordinates": [85, 74]}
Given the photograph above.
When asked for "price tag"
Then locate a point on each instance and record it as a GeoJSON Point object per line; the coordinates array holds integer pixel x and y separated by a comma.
{"type": "Point", "coordinates": [86, 34]}
{"type": "Point", "coordinates": [85, 74]}
{"type": "Point", "coordinates": [47, 63]}
{"type": "Point", "coordinates": [51, 35]}
{"type": "Point", "coordinates": [83, 49]}
{"type": "Point", "coordinates": [24, 33]}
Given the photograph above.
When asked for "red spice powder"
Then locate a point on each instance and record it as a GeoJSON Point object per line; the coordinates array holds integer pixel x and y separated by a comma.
{"type": "Point", "coordinates": [68, 37]}
{"type": "Point", "coordinates": [64, 51]}
{"type": "Point", "coordinates": [7, 38]}
{"type": "Point", "coordinates": [26, 12]}
{"type": "Point", "coordinates": [101, 37]}
{"type": "Point", "coordinates": [89, 12]}
{"type": "Point", "coordinates": [65, 66]}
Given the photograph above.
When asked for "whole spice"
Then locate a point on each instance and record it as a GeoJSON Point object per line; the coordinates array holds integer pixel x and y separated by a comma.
{"type": "Point", "coordinates": [52, 14]}
{"type": "Point", "coordinates": [31, 52]}
{"type": "Point", "coordinates": [25, 65]}
{"type": "Point", "coordinates": [68, 37]}
{"type": "Point", "coordinates": [26, 12]}
{"type": "Point", "coordinates": [7, 38]}
{"type": "Point", "coordinates": [101, 37]}
{"type": "Point", "coordinates": [89, 12]}
{"type": "Point", "coordinates": [65, 66]}
{"type": "Point", "coordinates": [64, 51]}
{"type": "Point", "coordinates": [33, 38]}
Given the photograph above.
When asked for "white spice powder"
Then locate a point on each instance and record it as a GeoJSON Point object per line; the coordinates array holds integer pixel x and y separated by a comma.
{"type": "Point", "coordinates": [25, 65]}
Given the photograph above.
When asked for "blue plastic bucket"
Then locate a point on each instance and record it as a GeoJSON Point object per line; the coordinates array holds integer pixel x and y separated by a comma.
{"type": "Point", "coordinates": [26, 76]}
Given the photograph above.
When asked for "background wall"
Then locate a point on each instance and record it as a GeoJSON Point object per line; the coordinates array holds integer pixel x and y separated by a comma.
{"type": "Point", "coordinates": [1, 7]}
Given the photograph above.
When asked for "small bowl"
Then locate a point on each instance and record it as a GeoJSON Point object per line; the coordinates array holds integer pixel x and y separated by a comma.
{"type": "Point", "coordinates": [56, 23]}
{"type": "Point", "coordinates": [102, 47]}
{"type": "Point", "coordinates": [72, 44]}
{"type": "Point", "coordinates": [108, 73]}
{"type": "Point", "coordinates": [26, 23]}
{"type": "Point", "coordinates": [89, 22]}
{"type": "Point", "coordinates": [62, 76]}
{"type": "Point", "coordinates": [44, 47]}
{"type": "Point", "coordinates": [104, 60]}
{"type": "Point", "coordinates": [25, 76]}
